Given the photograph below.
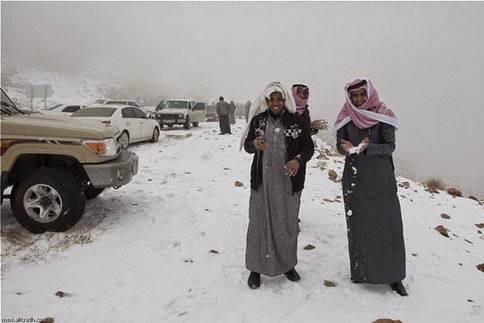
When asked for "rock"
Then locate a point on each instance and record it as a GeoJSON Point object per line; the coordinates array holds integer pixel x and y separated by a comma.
{"type": "Point", "coordinates": [328, 200]}
{"type": "Point", "coordinates": [442, 230]}
{"type": "Point", "coordinates": [473, 198]}
{"type": "Point", "coordinates": [61, 294]}
{"type": "Point", "coordinates": [309, 247]}
{"type": "Point", "coordinates": [387, 321]}
{"type": "Point", "coordinates": [481, 267]}
{"type": "Point", "coordinates": [468, 241]}
{"type": "Point", "coordinates": [47, 320]}
{"type": "Point", "coordinates": [238, 184]}
{"type": "Point", "coordinates": [329, 283]}
{"type": "Point", "coordinates": [332, 175]}
{"type": "Point", "coordinates": [432, 190]}
{"type": "Point", "coordinates": [404, 185]}
{"type": "Point", "coordinates": [480, 225]}
{"type": "Point", "coordinates": [414, 254]}
{"type": "Point", "coordinates": [454, 192]}
{"type": "Point", "coordinates": [445, 216]}
{"type": "Point", "coordinates": [214, 251]}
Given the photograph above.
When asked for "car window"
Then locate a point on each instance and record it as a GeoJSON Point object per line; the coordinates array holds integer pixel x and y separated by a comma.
{"type": "Point", "coordinates": [200, 106]}
{"type": "Point", "coordinates": [94, 112]}
{"type": "Point", "coordinates": [128, 113]}
{"type": "Point", "coordinates": [139, 114]}
{"type": "Point", "coordinates": [176, 104]}
{"type": "Point", "coordinates": [133, 104]}
{"type": "Point", "coordinates": [71, 108]}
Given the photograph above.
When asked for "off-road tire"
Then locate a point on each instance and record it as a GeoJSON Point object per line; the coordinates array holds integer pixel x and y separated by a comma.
{"type": "Point", "coordinates": [186, 125]}
{"type": "Point", "coordinates": [60, 187]}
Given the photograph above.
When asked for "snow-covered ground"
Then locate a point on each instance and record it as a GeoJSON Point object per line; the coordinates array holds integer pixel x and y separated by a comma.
{"type": "Point", "coordinates": [170, 247]}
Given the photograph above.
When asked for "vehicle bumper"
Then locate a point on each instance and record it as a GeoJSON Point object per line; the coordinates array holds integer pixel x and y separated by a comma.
{"type": "Point", "coordinates": [114, 173]}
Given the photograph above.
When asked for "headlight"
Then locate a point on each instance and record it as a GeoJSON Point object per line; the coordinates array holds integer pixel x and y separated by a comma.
{"type": "Point", "coordinates": [180, 115]}
{"type": "Point", "coordinates": [106, 147]}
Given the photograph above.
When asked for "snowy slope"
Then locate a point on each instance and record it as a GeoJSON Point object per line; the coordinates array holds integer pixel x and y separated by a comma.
{"type": "Point", "coordinates": [143, 253]}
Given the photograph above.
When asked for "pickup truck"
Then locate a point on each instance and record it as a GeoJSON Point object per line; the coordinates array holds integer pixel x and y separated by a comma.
{"type": "Point", "coordinates": [180, 112]}
{"type": "Point", "coordinates": [53, 164]}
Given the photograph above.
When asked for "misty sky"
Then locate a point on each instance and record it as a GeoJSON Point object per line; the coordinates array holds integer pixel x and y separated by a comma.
{"type": "Point", "coordinates": [425, 59]}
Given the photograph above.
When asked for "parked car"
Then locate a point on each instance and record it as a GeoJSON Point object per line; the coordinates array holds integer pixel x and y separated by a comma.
{"type": "Point", "coordinates": [123, 102]}
{"type": "Point", "coordinates": [181, 112]}
{"type": "Point", "coordinates": [54, 164]}
{"type": "Point", "coordinates": [65, 109]}
{"type": "Point", "coordinates": [133, 123]}
{"type": "Point", "coordinates": [211, 113]}
{"type": "Point", "coordinates": [101, 101]}
{"type": "Point", "coordinates": [149, 111]}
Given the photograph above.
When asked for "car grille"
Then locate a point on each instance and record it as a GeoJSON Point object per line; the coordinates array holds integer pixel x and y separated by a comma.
{"type": "Point", "coordinates": [167, 116]}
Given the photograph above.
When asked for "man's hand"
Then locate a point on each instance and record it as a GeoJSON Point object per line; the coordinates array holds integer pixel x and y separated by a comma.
{"type": "Point", "coordinates": [259, 143]}
{"type": "Point", "coordinates": [292, 167]}
{"type": "Point", "coordinates": [363, 144]}
{"type": "Point", "coordinates": [318, 124]}
{"type": "Point", "coordinates": [346, 145]}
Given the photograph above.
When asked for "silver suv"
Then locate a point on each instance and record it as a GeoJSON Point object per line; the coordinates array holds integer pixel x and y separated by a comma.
{"type": "Point", "coordinates": [180, 112]}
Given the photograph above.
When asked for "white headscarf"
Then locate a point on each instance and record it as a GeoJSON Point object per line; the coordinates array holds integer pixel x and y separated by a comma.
{"type": "Point", "coordinates": [260, 105]}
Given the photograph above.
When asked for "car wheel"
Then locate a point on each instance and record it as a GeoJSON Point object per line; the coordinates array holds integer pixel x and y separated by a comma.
{"type": "Point", "coordinates": [48, 199]}
{"type": "Point", "coordinates": [186, 125]}
{"type": "Point", "coordinates": [92, 192]}
{"type": "Point", "coordinates": [195, 124]}
{"type": "Point", "coordinates": [156, 135]}
{"type": "Point", "coordinates": [124, 139]}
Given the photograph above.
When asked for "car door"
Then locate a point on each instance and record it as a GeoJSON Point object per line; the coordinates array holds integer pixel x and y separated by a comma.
{"type": "Point", "coordinates": [144, 124]}
{"type": "Point", "coordinates": [198, 112]}
{"type": "Point", "coordinates": [131, 123]}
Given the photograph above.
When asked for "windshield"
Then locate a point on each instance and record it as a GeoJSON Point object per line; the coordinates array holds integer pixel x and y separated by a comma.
{"type": "Point", "coordinates": [94, 112]}
{"type": "Point", "coordinates": [8, 107]}
{"type": "Point", "coordinates": [176, 105]}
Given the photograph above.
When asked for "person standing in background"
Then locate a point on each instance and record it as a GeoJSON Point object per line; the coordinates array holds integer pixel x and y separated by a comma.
{"type": "Point", "coordinates": [232, 108]}
{"type": "Point", "coordinates": [246, 112]}
{"type": "Point", "coordinates": [301, 97]}
{"type": "Point", "coordinates": [222, 109]}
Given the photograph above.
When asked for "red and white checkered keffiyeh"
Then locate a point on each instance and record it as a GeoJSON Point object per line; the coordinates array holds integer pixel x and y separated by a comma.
{"type": "Point", "coordinates": [369, 113]}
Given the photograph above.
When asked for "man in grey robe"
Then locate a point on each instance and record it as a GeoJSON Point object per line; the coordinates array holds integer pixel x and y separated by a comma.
{"type": "Point", "coordinates": [282, 145]}
{"type": "Point", "coordinates": [223, 111]}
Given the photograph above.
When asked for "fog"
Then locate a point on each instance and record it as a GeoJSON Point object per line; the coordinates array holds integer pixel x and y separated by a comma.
{"type": "Point", "coordinates": [425, 59]}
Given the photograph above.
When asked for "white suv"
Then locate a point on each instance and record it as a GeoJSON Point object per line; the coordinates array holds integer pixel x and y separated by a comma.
{"type": "Point", "coordinates": [182, 112]}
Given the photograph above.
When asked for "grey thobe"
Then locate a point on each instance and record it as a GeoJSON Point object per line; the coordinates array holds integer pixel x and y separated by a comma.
{"type": "Point", "coordinates": [373, 216]}
{"type": "Point", "coordinates": [273, 211]}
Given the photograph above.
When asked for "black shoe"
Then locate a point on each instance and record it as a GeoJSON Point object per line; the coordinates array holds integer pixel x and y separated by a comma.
{"type": "Point", "coordinates": [292, 275]}
{"type": "Point", "coordinates": [354, 281]}
{"type": "Point", "coordinates": [254, 280]}
{"type": "Point", "coordinates": [399, 288]}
